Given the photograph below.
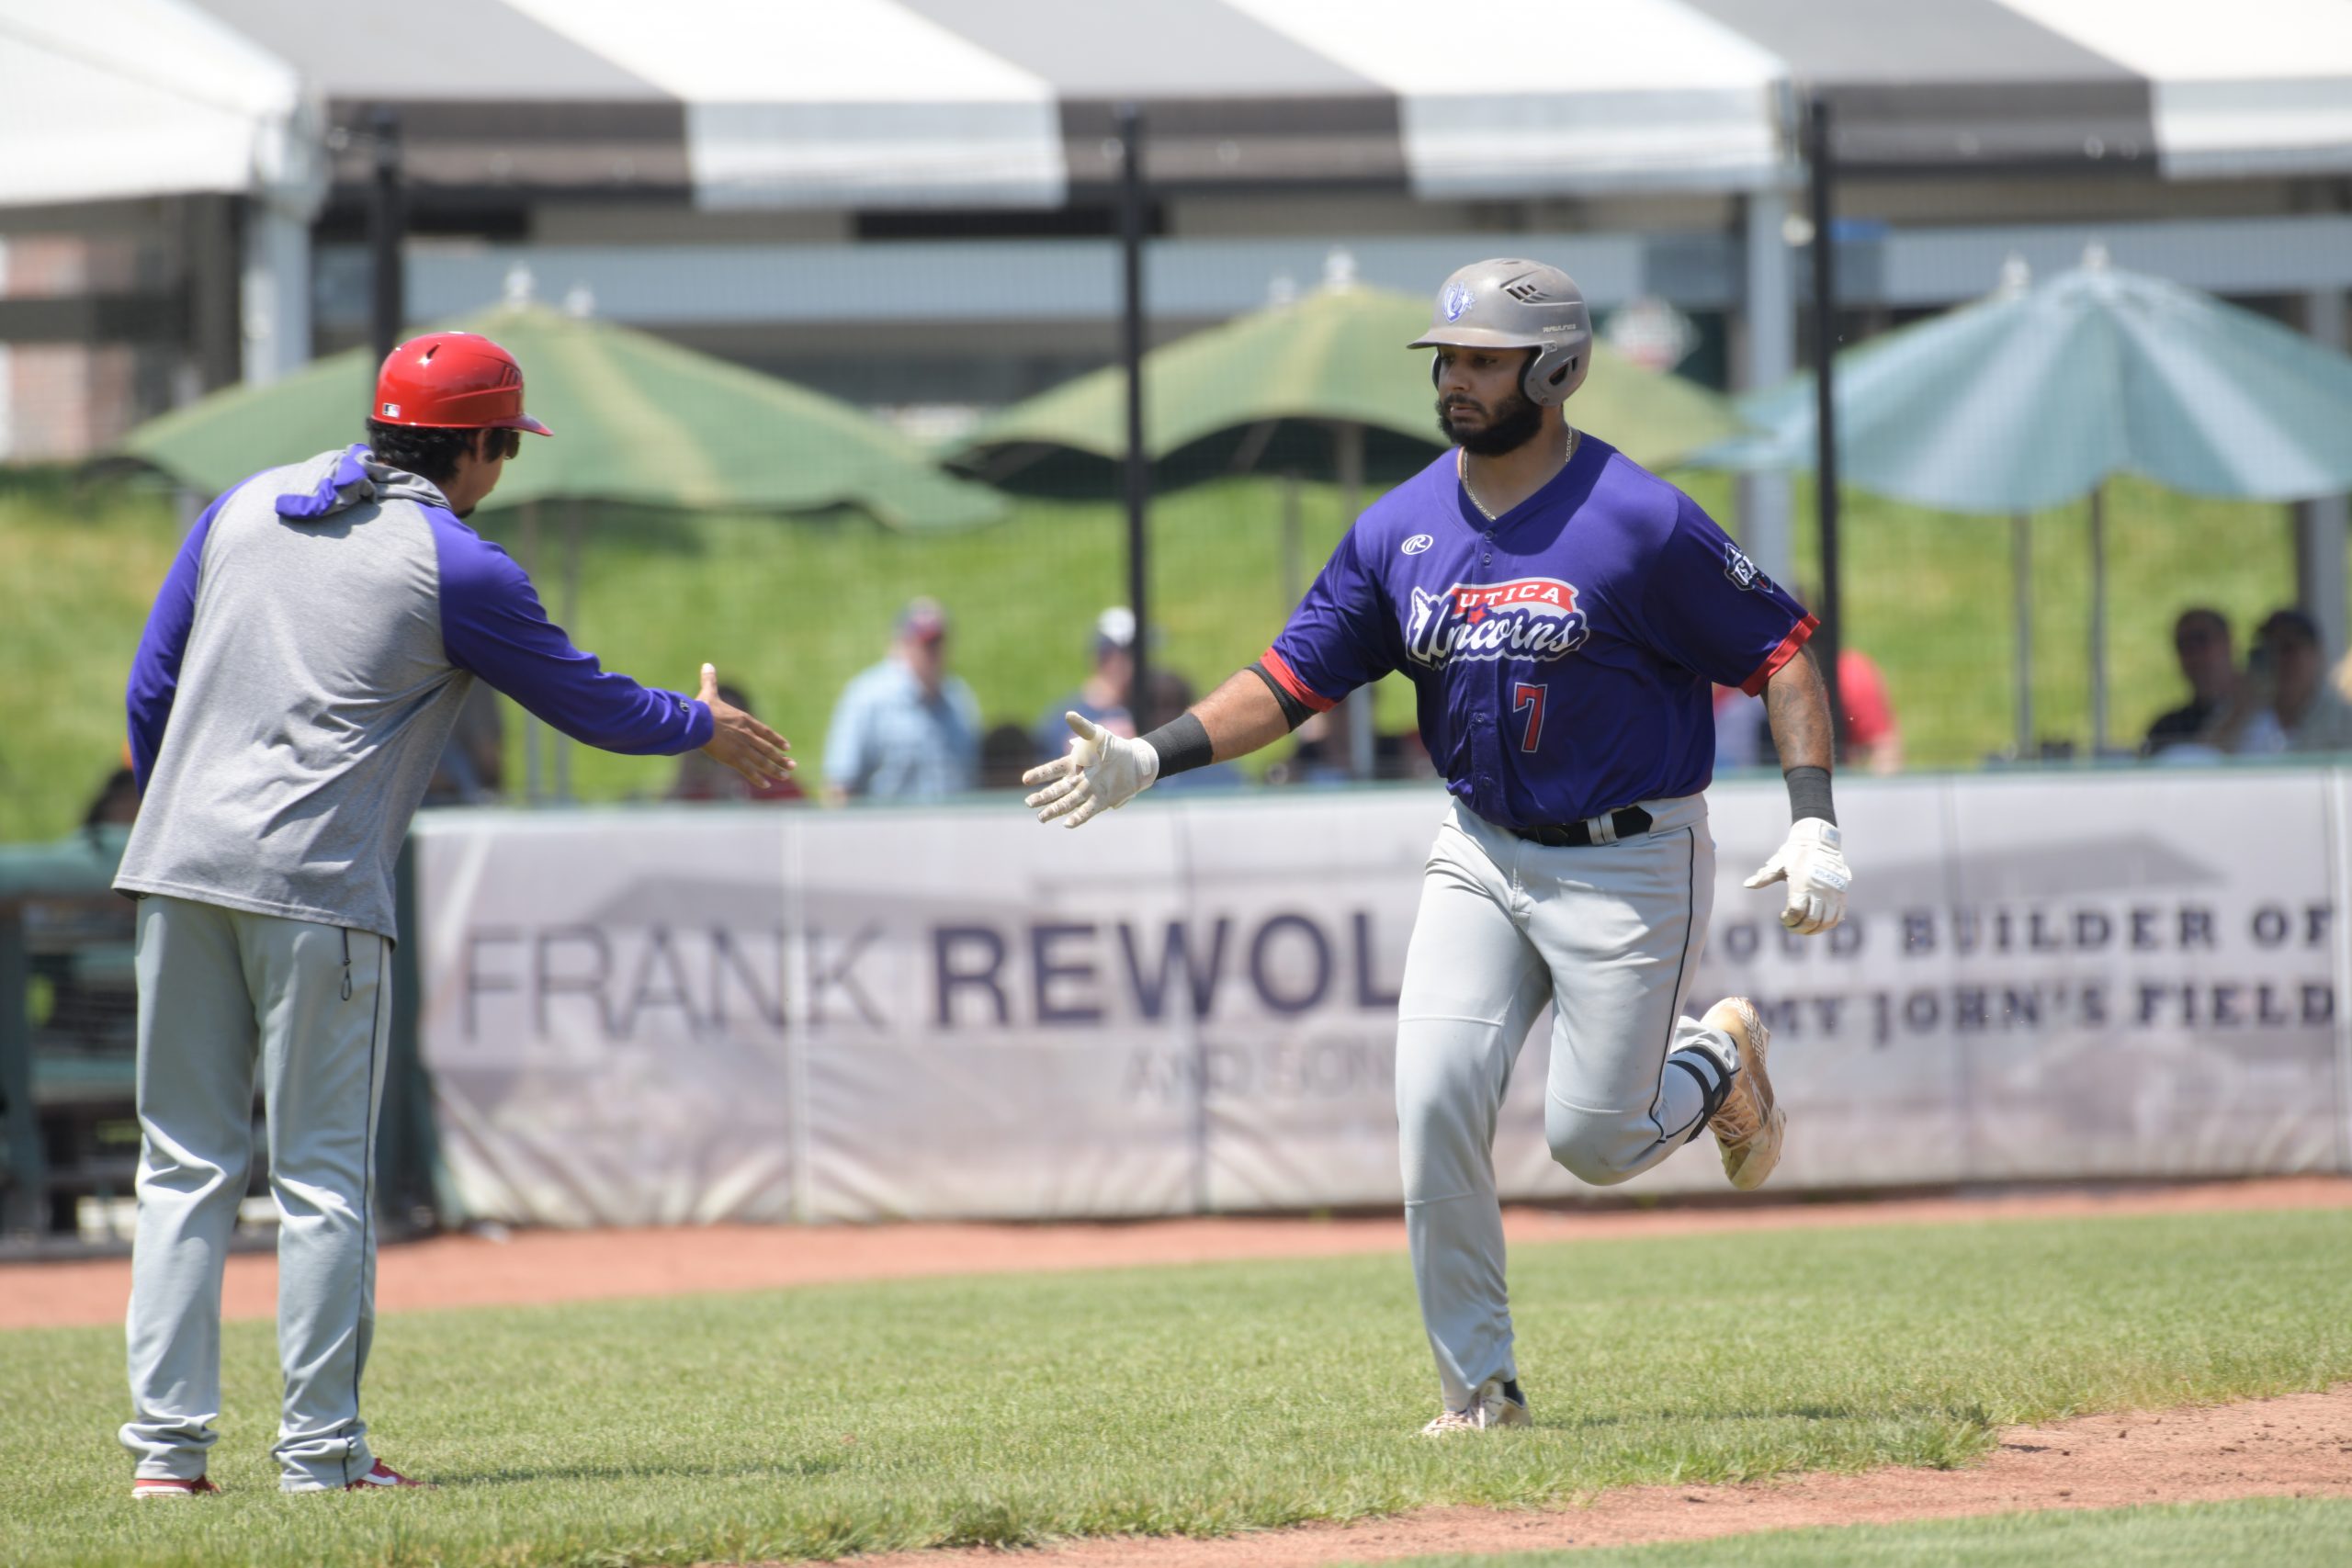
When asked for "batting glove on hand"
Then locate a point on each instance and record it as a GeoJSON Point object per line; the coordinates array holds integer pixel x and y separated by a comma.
{"type": "Point", "coordinates": [1817, 876]}
{"type": "Point", "coordinates": [1101, 771]}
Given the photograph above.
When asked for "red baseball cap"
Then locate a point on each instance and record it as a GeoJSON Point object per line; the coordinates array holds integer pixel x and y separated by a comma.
{"type": "Point", "coordinates": [452, 381]}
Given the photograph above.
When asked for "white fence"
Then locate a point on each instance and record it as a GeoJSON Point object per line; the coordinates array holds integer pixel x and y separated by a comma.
{"type": "Point", "coordinates": [773, 1014]}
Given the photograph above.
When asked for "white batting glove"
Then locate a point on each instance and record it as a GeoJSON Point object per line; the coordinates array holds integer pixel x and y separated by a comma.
{"type": "Point", "coordinates": [1817, 873]}
{"type": "Point", "coordinates": [1101, 771]}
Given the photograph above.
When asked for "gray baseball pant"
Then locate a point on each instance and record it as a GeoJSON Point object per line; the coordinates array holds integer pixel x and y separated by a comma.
{"type": "Point", "coordinates": [222, 993]}
{"type": "Point", "coordinates": [1609, 935]}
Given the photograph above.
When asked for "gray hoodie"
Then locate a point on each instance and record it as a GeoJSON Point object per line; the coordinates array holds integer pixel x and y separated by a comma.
{"type": "Point", "coordinates": [300, 675]}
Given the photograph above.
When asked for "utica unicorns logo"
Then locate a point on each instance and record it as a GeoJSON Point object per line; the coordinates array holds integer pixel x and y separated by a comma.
{"type": "Point", "coordinates": [1528, 617]}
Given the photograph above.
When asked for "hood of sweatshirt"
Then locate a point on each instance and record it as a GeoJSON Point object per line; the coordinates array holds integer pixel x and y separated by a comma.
{"type": "Point", "coordinates": [337, 481]}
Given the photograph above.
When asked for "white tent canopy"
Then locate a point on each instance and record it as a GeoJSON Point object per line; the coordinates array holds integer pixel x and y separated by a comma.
{"type": "Point", "coordinates": [130, 98]}
{"type": "Point", "coordinates": [897, 104]}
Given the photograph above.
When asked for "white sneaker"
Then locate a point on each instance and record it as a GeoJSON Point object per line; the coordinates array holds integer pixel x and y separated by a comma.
{"type": "Point", "coordinates": [1497, 1403]}
{"type": "Point", "coordinates": [1749, 1122]}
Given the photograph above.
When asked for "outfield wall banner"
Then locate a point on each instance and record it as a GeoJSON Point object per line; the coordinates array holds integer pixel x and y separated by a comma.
{"type": "Point", "coordinates": [677, 1016]}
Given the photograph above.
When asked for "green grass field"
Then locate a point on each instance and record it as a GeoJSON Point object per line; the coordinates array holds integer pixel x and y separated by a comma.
{"type": "Point", "coordinates": [2262, 1533]}
{"type": "Point", "coordinates": [1187, 1400]}
{"type": "Point", "coordinates": [791, 609]}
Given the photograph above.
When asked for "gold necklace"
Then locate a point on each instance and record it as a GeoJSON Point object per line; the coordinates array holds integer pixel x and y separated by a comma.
{"type": "Point", "coordinates": [1462, 472]}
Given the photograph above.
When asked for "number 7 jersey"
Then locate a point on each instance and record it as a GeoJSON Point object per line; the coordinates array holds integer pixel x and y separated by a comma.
{"type": "Point", "coordinates": [1563, 655]}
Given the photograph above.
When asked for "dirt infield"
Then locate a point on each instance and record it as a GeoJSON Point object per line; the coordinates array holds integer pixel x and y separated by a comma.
{"type": "Point", "coordinates": [2297, 1447]}
{"type": "Point", "coordinates": [532, 1267]}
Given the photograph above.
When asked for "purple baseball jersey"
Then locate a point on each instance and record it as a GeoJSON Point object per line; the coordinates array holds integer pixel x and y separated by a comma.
{"type": "Point", "coordinates": [1563, 656]}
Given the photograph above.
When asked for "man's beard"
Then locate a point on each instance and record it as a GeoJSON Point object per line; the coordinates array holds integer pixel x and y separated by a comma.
{"type": "Point", "coordinates": [1514, 424]}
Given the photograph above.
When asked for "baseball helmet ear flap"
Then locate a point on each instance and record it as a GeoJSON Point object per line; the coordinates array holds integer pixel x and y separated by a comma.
{"type": "Point", "coordinates": [1553, 374]}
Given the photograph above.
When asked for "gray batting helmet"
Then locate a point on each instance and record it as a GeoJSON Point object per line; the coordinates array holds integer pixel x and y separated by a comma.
{"type": "Point", "coordinates": [1513, 303]}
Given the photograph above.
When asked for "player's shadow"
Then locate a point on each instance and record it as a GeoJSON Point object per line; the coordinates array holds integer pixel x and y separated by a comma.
{"type": "Point", "coordinates": [1798, 1411]}
{"type": "Point", "coordinates": [770, 1469]}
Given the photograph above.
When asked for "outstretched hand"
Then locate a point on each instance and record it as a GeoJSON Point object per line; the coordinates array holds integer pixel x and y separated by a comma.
{"type": "Point", "coordinates": [740, 742]}
{"type": "Point", "coordinates": [1101, 771]}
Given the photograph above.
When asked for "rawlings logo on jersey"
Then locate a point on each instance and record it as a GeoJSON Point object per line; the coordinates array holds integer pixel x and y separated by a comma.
{"type": "Point", "coordinates": [1528, 617]}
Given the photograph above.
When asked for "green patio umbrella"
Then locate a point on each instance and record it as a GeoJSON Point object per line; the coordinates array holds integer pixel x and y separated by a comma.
{"type": "Point", "coordinates": [638, 421]}
{"type": "Point", "coordinates": [1327, 374]}
{"type": "Point", "coordinates": [2036, 395]}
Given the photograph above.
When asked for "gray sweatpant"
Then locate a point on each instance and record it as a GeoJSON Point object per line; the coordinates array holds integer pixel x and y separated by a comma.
{"type": "Point", "coordinates": [220, 992]}
{"type": "Point", "coordinates": [1609, 935]}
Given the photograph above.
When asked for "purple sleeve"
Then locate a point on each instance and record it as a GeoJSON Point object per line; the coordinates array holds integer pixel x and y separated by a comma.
{"type": "Point", "coordinates": [1708, 608]}
{"type": "Point", "coordinates": [156, 669]}
{"type": "Point", "coordinates": [491, 623]}
{"type": "Point", "coordinates": [1335, 641]}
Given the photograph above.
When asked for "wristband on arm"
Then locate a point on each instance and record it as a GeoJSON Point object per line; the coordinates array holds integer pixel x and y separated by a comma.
{"type": "Point", "coordinates": [1182, 744]}
{"type": "Point", "coordinates": [1809, 794]}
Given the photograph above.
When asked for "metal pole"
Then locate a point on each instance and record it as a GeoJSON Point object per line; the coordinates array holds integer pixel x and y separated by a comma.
{"type": "Point", "coordinates": [1363, 735]}
{"type": "Point", "coordinates": [2099, 621]}
{"type": "Point", "coordinates": [24, 1178]}
{"type": "Point", "coordinates": [2322, 523]}
{"type": "Point", "coordinates": [386, 222]}
{"type": "Point", "coordinates": [1138, 465]}
{"type": "Point", "coordinates": [562, 743]}
{"type": "Point", "coordinates": [1768, 315]}
{"type": "Point", "coordinates": [532, 728]}
{"type": "Point", "coordinates": [1825, 357]}
{"type": "Point", "coordinates": [1291, 586]}
{"type": "Point", "coordinates": [2021, 569]}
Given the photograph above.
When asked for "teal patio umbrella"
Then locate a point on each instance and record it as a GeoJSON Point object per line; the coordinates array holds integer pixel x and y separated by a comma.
{"type": "Point", "coordinates": [2036, 395]}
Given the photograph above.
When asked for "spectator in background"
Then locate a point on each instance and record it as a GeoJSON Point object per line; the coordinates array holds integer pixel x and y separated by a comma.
{"type": "Point", "coordinates": [473, 764]}
{"type": "Point", "coordinates": [703, 777]}
{"type": "Point", "coordinates": [2283, 701]}
{"type": "Point", "coordinates": [2200, 640]}
{"type": "Point", "coordinates": [905, 729]}
{"type": "Point", "coordinates": [1104, 697]}
{"type": "Point", "coordinates": [1874, 740]}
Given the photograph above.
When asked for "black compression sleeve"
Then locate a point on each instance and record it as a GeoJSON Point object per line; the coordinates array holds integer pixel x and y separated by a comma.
{"type": "Point", "coordinates": [1183, 744]}
{"type": "Point", "coordinates": [1296, 712]}
{"type": "Point", "coordinates": [1809, 794]}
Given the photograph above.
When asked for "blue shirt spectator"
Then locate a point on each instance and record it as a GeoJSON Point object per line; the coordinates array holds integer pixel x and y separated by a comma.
{"type": "Point", "coordinates": [905, 729]}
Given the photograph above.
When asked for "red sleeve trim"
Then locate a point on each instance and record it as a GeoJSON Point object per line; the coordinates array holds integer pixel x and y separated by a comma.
{"type": "Point", "coordinates": [1279, 668]}
{"type": "Point", "coordinates": [1798, 636]}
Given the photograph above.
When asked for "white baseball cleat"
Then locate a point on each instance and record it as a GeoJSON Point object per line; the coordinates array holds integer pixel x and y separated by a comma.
{"type": "Point", "coordinates": [1749, 1122]}
{"type": "Point", "coordinates": [1497, 1403]}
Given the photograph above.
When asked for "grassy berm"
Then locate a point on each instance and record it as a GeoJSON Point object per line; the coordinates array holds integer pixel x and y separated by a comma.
{"type": "Point", "coordinates": [791, 609]}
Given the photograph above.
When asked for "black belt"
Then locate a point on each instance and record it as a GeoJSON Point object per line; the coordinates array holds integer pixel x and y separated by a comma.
{"type": "Point", "coordinates": [1628, 822]}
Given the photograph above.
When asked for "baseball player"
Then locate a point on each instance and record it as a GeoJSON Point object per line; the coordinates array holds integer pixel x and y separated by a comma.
{"type": "Point", "coordinates": [1561, 613]}
{"type": "Point", "coordinates": [301, 672]}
